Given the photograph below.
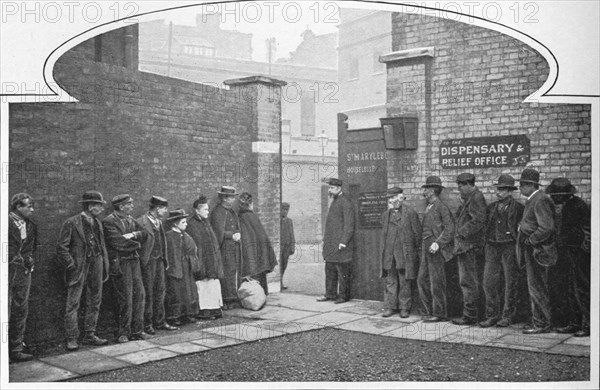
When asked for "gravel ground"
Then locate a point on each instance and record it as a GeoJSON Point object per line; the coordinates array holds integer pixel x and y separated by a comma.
{"type": "Point", "coordinates": [337, 355]}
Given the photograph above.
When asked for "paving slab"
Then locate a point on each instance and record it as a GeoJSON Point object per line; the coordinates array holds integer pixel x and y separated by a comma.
{"type": "Point", "coordinates": [176, 338]}
{"type": "Point", "coordinates": [396, 317]}
{"type": "Point", "coordinates": [372, 325]}
{"type": "Point", "coordinates": [522, 341]}
{"type": "Point", "coordinates": [287, 327]}
{"type": "Point", "coordinates": [215, 341]}
{"type": "Point", "coordinates": [284, 314]}
{"type": "Point", "coordinates": [427, 331]}
{"type": "Point", "coordinates": [570, 349]}
{"type": "Point", "coordinates": [303, 302]}
{"type": "Point", "coordinates": [578, 341]}
{"type": "Point", "coordinates": [331, 319]}
{"type": "Point", "coordinates": [367, 308]}
{"type": "Point", "coordinates": [121, 349]}
{"type": "Point", "coordinates": [244, 332]}
{"type": "Point", "coordinates": [85, 362]}
{"type": "Point", "coordinates": [147, 355]}
{"type": "Point", "coordinates": [476, 335]}
{"type": "Point", "coordinates": [184, 348]}
{"type": "Point", "coordinates": [36, 371]}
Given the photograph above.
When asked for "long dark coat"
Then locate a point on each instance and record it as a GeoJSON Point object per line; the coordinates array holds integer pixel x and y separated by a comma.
{"type": "Point", "coordinates": [72, 248]}
{"type": "Point", "coordinates": [538, 225]}
{"type": "Point", "coordinates": [339, 229]}
{"type": "Point", "coordinates": [471, 219]}
{"type": "Point", "coordinates": [440, 221]}
{"type": "Point", "coordinates": [258, 255]}
{"type": "Point", "coordinates": [209, 254]}
{"type": "Point", "coordinates": [406, 250]}
{"type": "Point", "coordinates": [148, 244]}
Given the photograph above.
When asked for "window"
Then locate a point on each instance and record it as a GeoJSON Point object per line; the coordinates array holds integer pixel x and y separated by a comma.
{"type": "Point", "coordinates": [401, 133]}
{"type": "Point", "coordinates": [307, 116]}
{"type": "Point", "coordinates": [353, 69]}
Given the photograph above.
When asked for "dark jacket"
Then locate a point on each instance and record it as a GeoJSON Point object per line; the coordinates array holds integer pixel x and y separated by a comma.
{"type": "Point", "coordinates": [440, 222]}
{"type": "Point", "coordinates": [148, 243]}
{"type": "Point", "coordinates": [180, 246]}
{"type": "Point", "coordinates": [210, 265]}
{"type": "Point", "coordinates": [288, 240]}
{"type": "Point", "coordinates": [515, 214]}
{"type": "Point", "coordinates": [471, 219]}
{"type": "Point", "coordinates": [574, 230]}
{"type": "Point", "coordinates": [339, 229]}
{"type": "Point", "coordinates": [408, 244]}
{"type": "Point", "coordinates": [258, 255]}
{"type": "Point", "coordinates": [72, 248]}
{"type": "Point", "coordinates": [119, 247]}
{"type": "Point", "coordinates": [537, 229]}
{"type": "Point", "coordinates": [22, 252]}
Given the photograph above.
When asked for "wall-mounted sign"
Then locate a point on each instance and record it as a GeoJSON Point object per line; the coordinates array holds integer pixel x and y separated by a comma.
{"type": "Point", "coordinates": [370, 207]}
{"type": "Point", "coordinates": [482, 152]}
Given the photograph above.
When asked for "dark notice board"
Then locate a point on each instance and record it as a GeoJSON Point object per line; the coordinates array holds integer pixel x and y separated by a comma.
{"type": "Point", "coordinates": [483, 152]}
{"type": "Point", "coordinates": [370, 207]}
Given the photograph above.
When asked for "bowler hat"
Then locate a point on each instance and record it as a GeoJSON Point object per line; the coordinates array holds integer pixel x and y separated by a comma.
{"type": "Point", "coordinates": [561, 186]}
{"type": "Point", "coordinates": [506, 181]}
{"type": "Point", "coordinates": [530, 175]}
{"type": "Point", "coordinates": [391, 192]}
{"type": "Point", "coordinates": [433, 181]}
{"type": "Point", "coordinates": [334, 182]}
{"type": "Point", "coordinates": [122, 198]}
{"type": "Point", "coordinates": [176, 215]}
{"type": "Point", "coordinates": [92, 197]}
{"type": "Point", "coordinates": [227, 190]}
{"type": "Point", "coordinates": [285, 205]}
{"type": "Point", "coordinates": [465, 177]}
{"type": "Point", "coordinates": [158, 201]}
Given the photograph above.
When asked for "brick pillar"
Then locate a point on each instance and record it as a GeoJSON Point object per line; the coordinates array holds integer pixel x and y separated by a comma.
{"type": "Point", "coordinates": [262, 176]}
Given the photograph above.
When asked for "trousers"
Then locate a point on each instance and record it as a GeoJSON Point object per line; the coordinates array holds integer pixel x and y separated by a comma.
{"type": "Point", "coordinates": [91, 281]}
{"type": "Point", "coordinates": [337, 275]}
{"type": "Point", "coordinates": [129, 289]}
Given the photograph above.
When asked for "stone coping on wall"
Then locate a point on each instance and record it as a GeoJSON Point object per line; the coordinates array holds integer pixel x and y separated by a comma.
{"type": "Point", "coordinates": [403, 55]}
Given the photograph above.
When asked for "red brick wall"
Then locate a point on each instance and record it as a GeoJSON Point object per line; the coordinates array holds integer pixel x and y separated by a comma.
{"type": "Point", "coordinates": [135, 133]}
{"type": "Point", "coordinates": [479, 79]}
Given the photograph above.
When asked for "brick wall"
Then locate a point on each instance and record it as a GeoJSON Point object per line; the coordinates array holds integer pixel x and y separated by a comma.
{"type": "Point", "coordinates": [473, 87]}
{"type": "Point", "coordinates": [131, 132]}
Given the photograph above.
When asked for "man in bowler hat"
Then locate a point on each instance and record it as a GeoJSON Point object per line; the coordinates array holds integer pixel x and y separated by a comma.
{"type": "Point", "coordinates": [503, 220]}
{"type": "Point", "coordinates": [338, 244]}
{"type": "Point", "coordinates": [537, 248]}
{"type": "Point", "coordinates": [469, 241]}
{"type": "Point", "coordinates": [399, 253]}
{"type": "Point", "coordinates": [22, 244]}
{"type": "Point", "coordinates": [82, 252]}
{"type": "Point", "coordinates": [153, 258]}
{"type": "Point", "coordinates": [124, 238]}
{"type": "Point", "coordinates": [438, 232]}
{"type": "Point", "coordinates": [574, 236]}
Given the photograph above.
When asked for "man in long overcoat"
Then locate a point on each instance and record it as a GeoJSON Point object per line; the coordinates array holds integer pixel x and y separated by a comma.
{"type": "Point", "coordinates": [574, 236]}
{"type": "Point", "coordinates": [154, 263]}
{"type": "Point", "coordinates": [469, 241]}
{"type": "Point", "coordinates": [338, 244]}
{"type": "Point", "coordinates": [82, 252]}
{"type": "Point", "coordinates": [399, 253]}
{"type": "Point", "coordinates": [438, 233]}
{"type": "Point", "coordinates": [226, 225]}
{"type": "Point", "coordinates": [537, 248]}
{"type": "Point", "coordinates": [288, 240]}
{"type": "Point", "coordinates": [504, 216]}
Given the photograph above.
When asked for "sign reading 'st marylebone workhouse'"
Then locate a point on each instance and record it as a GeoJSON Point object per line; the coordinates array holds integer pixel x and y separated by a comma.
{"type": "Point", "coordinates": [482, 152]}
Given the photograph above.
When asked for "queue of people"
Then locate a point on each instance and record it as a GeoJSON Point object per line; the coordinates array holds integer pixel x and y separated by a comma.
{"type": "Point", "coordinates": [494, 245]}
{"type": "Point", "coordinates": [165, 268]}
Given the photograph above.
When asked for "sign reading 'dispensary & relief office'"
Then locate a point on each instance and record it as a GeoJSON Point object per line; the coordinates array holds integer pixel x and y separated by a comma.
{"type": "Point", "coordinates": [370, 207]}
{"type": "Point", "coordinates": [482, 152]}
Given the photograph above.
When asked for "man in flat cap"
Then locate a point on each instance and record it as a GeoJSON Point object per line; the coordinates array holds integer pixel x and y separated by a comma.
{"type": "Point", "coordinates": [226, 225]}
{"type": "Point", "coordinates": [438, 232]}
{"type": "Point", "coordinates": [22, 244]}
{"type": "Point", "coordinates": [153, 258]}
{"type": "Point", "coordinates": [288, 241]}
{"type": "Point", "coordinates": [124, 238]}
{"type": "Point", "coordinates": [469, 241]}
{"type": "Point", "coordinates": [536, 248]}
{"type": "Point", "coordinates": [82, 252]}
{"type": "Point", "coordinates": [399, 253]}
{"type": "Point", "coordinates": [338, 244]}
{"type": "Point", "coordinates": [574, 236]}
{"type": "Point", "coordinates": [504, 216]}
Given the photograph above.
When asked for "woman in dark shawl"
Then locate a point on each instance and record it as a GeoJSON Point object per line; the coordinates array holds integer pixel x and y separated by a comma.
{"type": "Point", "coordinates": [181, 301]}
{"type": "Point", "coordinates": [258, 256]}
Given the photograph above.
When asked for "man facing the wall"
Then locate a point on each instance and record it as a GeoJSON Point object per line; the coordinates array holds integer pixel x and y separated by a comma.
{"type": "Point", "coordinates": [338, 245]}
